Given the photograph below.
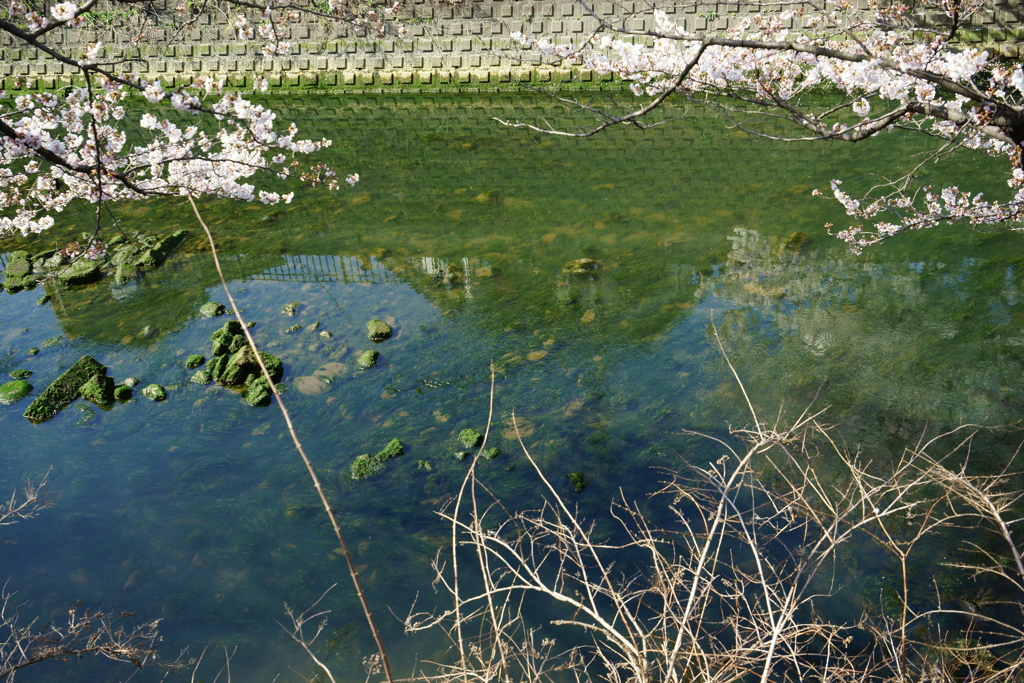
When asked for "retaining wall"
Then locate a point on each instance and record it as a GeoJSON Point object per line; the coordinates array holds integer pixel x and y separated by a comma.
{"type": "Point", "coordinates": [457, 45]}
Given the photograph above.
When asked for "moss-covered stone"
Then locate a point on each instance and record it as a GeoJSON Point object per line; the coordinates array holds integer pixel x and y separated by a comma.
{"type": "Point", "coordinates": [201, 377]}
{"type": "Point", "coordinates": [290, 309]}
{"type": "Point", "coordinates": [223, 337]}
{"type": "Point", "coordinates": [130, 381]}
{"type": "Point", "coordinates": [81, 272]}
{"type": "Point", "coordinates": [491, 453]}
{"type": "Point", "coordinates": [21, 374]}
{"type": "Point", "coordinates": [259, 392]}
{"type": "Point", "coordinates": [461, 455]}
{"type": "Point", "coordinates": [18, 275]}
{"type": "Point", "coordinates": [470, 438]}
{"type": "Point", "coordinates": [392, 450]}
{"type": "Point", "coordinates": [378, 330]}
{"type": "Point", "coordinates": [194, 361]}
{"type": "Point", "coordinates": [159, 252]}
{"type": "Point", "coordinates": [425, 465]}
{"type": "Point", "coordinates": [14, 391]}
{"type": "Point", "coordinates": [43, 300]}
{"type": "Point", "coordinates": [211, 309]}
{"type": "Point", "coordinates": [238, 342]}
{"type": "Point", "coordinates": [52, 341]}
{"type": "Point", "coordinates": [243, 363]}
{"type": "Point", "coordinates": [367, 359]}
{"type": "Point", "coordinates": [155, 392]}
{"type": "Point", "coordinates": [32, 352]}
{"type": "Point", "coordinates": [293, 328]}
{"type": "Point", "coordinates": [365, 466]}
{"type": "Point", "coordinates": [99, 389]}
{"type": "Point", "coordinates": [217, 366]}
{"type": "Point", "coordinates": [578, 481]}
{"type": "Point", "coordinates": [122, 393]}
{"type": "Point", "coordinates": [64, 389]}
{"type": "Point", "coordinates": [125, 273]}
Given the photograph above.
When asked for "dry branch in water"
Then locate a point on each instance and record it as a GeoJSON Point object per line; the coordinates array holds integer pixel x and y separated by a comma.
{"type": "Point", "coordinates": [746, 579]}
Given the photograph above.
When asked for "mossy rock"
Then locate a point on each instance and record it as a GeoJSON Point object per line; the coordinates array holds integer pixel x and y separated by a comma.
{"type": "Point", "coordinates": [243, 363]}
{"type": "Point", "coordinates": [211, 309]}
{"type": "Point", "coordinates": [52, 341]}
{"type": "Point", "coordinates": [201, 377]}
{"type": "Point", "coordinates": [99, 389]}
{"type": "Point", "coordinates": [125, 273]}
{"type": "Point", "coordinates": [461, 455]}
{"type": "Point", "coordinates": [224, 336]}
{"type": "Point", "coordinates": [367, 359]}
{"type": "Point", "coordinates": [491, 453]}
{"type": "Point", "coordinates": [425, 465]}
{"type": "Point", "coordinates": [18, 275]}
{"type": "Point", "coordinates": [81, 272]}
{"type": "Point", "coordinates": [392, 450]}
{"type": "Point", "coordinates": [291, 309]}
{"type": "Point", "coordinates": [217, 366]}
{"type": "Point", "coordinates": [155, 392]}
{"type": "Point", "coordinates": [293, 328]}
{"type": "Point", "coordinates": [470, 438]}
{"type": "Point", "coordinates": [14, 391]}
{"type": "Point", "coordinates": [194, 361]}
{"type": "Point", "coordinates": [122, 393]}
{"type": "Point", "coordinates": [43, 300]}
{"type": "Point", "coordinates": [64, 389]}
{"type": "Point", "coordinates": [21, 374]}
{"type": "Point", "coordinates": [378, 330]}
{"type": "Point", "coordinates": [365, 466]}
{"type": "Point", "coordinates": [259, 392]}
{"type": "Point", "coordinates": [159, 252]}
{"type": "Point", "coordinates": [578, 481]}
{"type": "Point", "coordinates": [32, 352]}
{"type": "Point", "coordinates": [795, 241]}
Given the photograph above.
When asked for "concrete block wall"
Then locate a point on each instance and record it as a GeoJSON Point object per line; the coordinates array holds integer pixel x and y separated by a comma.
{"type": "Point", "coordinates": [462, 44]}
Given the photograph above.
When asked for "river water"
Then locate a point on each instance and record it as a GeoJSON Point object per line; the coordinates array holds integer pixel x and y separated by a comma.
{"type": "Point", "coordinates": [197, 511]}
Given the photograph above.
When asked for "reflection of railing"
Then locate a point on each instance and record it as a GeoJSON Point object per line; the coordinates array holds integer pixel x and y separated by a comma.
{"type": "Point", "coordinates": [328, 269]}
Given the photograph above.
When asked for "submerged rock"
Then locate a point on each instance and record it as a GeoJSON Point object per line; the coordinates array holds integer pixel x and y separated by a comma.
{"type": "Point", "coordinates": [378, 330]}
{"type": "Point", "coordinates": [293, 328]}
{"type": "Point", "coordinates": [159, 252]}
{"type": "Point", "coordinates": [365, 466]}
{"type": "Point", "coordinates": [18, 275]}
{"type": "Point", "coordinates": [64, 389]}
{"type": "Point", "coordinates": [99, 389]}
{"type": "Point", "coordinates": [21, 374]}
{"type": "Point", "coordinates": [425, 465]}
{"type": "Point", "coordinates": [52, 341]}
{"type": "Point", "coordinates": [43, 300]}
{"type": "Point", "coordinates": [367, 359]}
{"type": "Point", "coordinates": [211, 309]}
{"type": "Point", "coordinates": [290, 309]}
{"type": "Point", "coordinates": [461, 455]}
{"type": "Point", "coordinates": [81, 272]}
{"type": "Point", "coordinates": [32, 352]}
{"type": "Point", "coordinates": [392, 450]}
{"type": "Point", "coordinates": [155, 392]}
{"type": "Point", "coordinates": [578, 481]}
{"type": "Point", "coordinates": [581, 266]}
{"type": "Point", "coordinates": [122, 393]}
{"type": "Point", "coordinates": [194, 361]}
{"type": "Point", "coordinates": [201, 377]}
{"type": "Point", "coordinates": [125, 273]}
{"type": "Point", "coordinates": [491, 453]}
{"type": "Point", "coordinates": [14, 391]}
{"type": "Point", "coordinates": [470, 438]}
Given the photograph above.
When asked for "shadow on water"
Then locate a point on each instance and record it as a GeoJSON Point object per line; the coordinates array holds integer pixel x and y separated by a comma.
{"type": "Point", "coordinates": [468, 238]}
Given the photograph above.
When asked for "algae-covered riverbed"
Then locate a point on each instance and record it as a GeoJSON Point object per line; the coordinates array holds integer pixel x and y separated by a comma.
{"type": "Point", "coordinates": [587, 271]}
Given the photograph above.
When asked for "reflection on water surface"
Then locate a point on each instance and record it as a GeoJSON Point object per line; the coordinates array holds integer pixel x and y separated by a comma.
{"type": "Point", "coordinates": [468, 239]}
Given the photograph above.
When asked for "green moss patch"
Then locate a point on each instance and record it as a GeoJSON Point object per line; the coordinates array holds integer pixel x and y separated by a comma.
{"type": "Point", "coordinates": [64, 389]}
